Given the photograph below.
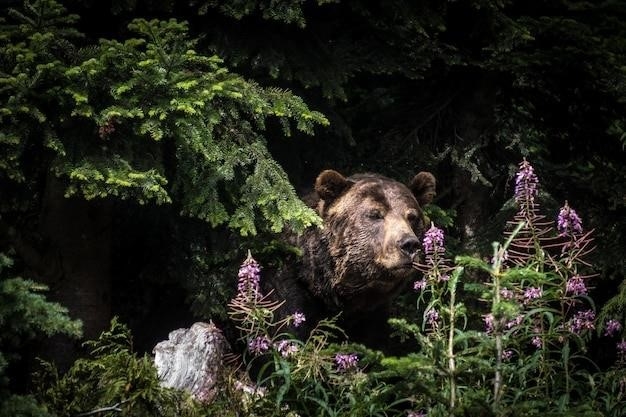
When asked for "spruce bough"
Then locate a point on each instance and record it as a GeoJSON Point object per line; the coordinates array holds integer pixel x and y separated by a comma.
{"type": "Point", "coordinates": [147, 119]}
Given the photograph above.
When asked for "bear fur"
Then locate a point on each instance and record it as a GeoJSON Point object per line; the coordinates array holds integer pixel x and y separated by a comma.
{"type": "Point", "coordinates": [361, 257]}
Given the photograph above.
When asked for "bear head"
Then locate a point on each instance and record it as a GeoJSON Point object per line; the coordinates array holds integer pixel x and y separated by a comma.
{"type": "Point", "coordinates": [373, 227]}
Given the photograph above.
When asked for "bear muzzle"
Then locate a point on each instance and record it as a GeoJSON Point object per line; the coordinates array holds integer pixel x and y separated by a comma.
{"type": "Point", "coordinates": [409, 246]}
{"type": "Point", "coordinates": [398, 256]}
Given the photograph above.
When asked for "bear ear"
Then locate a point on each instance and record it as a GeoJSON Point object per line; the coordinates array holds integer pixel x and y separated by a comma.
{"type": "Point", "coordinates": [330, 184]}
{"type": "Point", "coordinates": [423, 186]}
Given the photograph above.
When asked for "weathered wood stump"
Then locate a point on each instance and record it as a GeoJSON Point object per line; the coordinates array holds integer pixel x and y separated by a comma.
{"type": "Point", "coordinates": [192, 360]}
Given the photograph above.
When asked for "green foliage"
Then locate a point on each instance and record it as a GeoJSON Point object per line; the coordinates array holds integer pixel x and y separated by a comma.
{"type": "Point", "coordinates": [22, 406]}
{"type": "Point", "coordinates": [25, 315]}
{"type": "Point", "coordinates": [614, 308]}
{"type": "Point", "coordinates": [439, 216]}
{"type": "Point", "coordinates": [30, 76]}
{"type": "Point", "coordinates": [148, 119]}
{"type": "Point", "coordinates": [396, 38]}
{"type": "Point", "coordinates": [111, 379]}
{"type": "Point", "coordinates": [284, 11]}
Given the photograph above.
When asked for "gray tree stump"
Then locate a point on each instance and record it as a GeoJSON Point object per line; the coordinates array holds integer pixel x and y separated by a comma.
{"type": "Point", "coordinates": [192, 360]}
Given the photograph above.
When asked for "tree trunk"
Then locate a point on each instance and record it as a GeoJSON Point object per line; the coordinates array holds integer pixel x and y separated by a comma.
{"type": "Point", "coordinates": [192, 360]}
{"type": "Point", "coordinates": [473, 195]}
{"type": "Point", "coordinates": [77, 237]}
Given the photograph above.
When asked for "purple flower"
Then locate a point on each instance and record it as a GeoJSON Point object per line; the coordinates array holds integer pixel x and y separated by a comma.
{"type": "Point", "coordinates": [532, 293]}
{"type": "Point", "coordinates": [526, 184]}
{"type": "Point", "coordinates": [536, 342]}
{"type": "Point", "coordinates": [506, 293]}
{"type": "Point", "coordinates": [416, 414]}
{"type": "Point", "coordinates": [249, 277]}
{"type": "Point", "coordinates": [515, 322]}
{"type": "Point", "coordinates": [286, 348]}
{"type": "Point", "coordinates": [568, 221]}
{"type": "Point", "coordinates": [346, 362]}
{"type": "Point", "coordinates": [576, 286]}
{"type": "Point", "coordinates": [489, 323]}
{"type": "Point", "coordinates": [507, 355]}
{"type": "Point", "coordinates": [621, 352]}
{"type": "Point", "coordinates": [259, 345]}
{"type": "Point", "coordinates": [612, 327]}
{"type": "Point", "coordinates": [433, 241]}
{"type": "Point", "coordinates": [505, 257]}
{"type": "Point", "coordinates": [432, 317]}
{"type": "Point", "coordinates": [419, 285]}
{"type": "Point", "coordinates": [582, 320]}
{"type": "Point", "coordinates": [298, 318]}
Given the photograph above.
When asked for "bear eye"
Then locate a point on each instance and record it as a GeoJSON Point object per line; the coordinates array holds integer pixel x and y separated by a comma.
{"type": "Point", "coordinates": [412, 216]}
{"type": "Point", "coordinates": [375, 214]}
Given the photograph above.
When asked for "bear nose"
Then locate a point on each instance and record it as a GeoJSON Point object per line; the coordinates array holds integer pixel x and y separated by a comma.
{"type": "Point", "coordinates": [409, 245]}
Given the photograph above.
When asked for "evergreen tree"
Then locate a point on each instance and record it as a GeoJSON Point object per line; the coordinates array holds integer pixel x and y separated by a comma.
{"type": "Point", "coordinates": [147, 120]}
{"type": "Point", "coordinates": [25, 315]}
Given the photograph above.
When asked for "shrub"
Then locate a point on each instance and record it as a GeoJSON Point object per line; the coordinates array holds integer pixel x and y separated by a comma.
{"type": "Point", "coordinates": [111, 380]}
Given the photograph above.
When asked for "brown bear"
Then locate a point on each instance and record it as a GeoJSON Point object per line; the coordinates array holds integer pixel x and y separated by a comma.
{"type": "Point", "coordinates": [362, 256]}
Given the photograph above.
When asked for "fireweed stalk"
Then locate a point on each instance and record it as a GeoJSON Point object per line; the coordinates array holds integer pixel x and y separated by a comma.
{"type": "Point", "coordinates": [559, 258]}
{"type": "Point", "coordinates": [291, 373]}
{"type": "Point", "coordinates": [255, 312]}
{"type": "Point", "coordinates": [526, 188]}
{"type": "Point", "coordinates": [550, 267]}
{"type": "Point", "coordinates": [494, 326]}
{"type": "Point", "coordinates": [439, 280]}
{"type": "Point", "coordinates": [531, 356]}
{"type": "Point", "coordinates": [576, 245]}
{"type": "Point", "coordinates": [540, 267]}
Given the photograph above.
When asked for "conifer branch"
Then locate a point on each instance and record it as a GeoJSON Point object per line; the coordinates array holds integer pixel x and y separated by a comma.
{"type": "Point", "coordinates": [115, 407]}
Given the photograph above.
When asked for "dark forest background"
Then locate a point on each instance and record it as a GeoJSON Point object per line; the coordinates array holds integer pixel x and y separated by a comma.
{"type": "Point", "coordinates": [135, 175]}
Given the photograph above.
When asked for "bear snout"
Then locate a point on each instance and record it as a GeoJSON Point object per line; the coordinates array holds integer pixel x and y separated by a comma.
{"type": "Point", "coordinates": [409, 246]}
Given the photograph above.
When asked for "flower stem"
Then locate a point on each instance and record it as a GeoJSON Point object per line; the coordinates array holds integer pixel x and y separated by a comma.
{"type": "Point", "coordinates": [497, 379]}
{"type": "Point", "coordinates": [451, 359]}
{"type": "Point", "coordinates": [499, 255]}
